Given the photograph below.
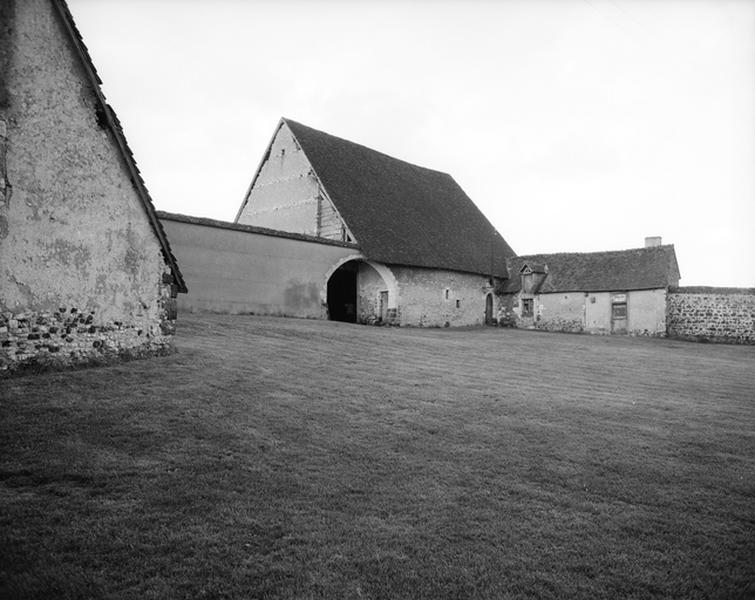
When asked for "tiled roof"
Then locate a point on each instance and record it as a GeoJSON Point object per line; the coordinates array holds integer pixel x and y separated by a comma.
{"type": "Point", "coordinates": [635, 269]}
{"type": "Point", "coordinates": [111, 120]}
{"type": "Point", "coordinates": [400, 213]}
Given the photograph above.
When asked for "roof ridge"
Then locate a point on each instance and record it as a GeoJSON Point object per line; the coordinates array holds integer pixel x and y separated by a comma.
{"type": "Point", "coordinates": [341, 139]}
{"type": "Point", "coordinates": [595, 252]}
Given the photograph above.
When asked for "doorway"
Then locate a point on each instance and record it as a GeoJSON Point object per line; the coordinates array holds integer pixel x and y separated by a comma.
{"type": "Point", "coordinates": [489, 310]}
{"type": "Point", "coordinates": [619, 313]}
{"type": "Point", "coordinates": [383, 306]}
{"type": "Point", "coordinates": [342, 294]}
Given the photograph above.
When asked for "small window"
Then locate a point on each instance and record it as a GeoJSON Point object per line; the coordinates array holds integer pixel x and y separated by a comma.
{"type": "Point", "coordinates": [527, 307]}
{"type": "Point", "coordinates": [283, 152]}
{"type": "Point", "coordinates": [446, 293]}
{"type": "Point", "coordinates": [458, 303]}
{"type": "Point", "coordinates": [619, 310]}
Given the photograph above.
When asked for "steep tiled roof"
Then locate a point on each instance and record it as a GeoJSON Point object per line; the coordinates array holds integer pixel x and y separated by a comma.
{"type": "Point", "coordinates": [635, 269]}
{"type": "Point", "coordinates": [400, 213]}
{"type": "Point", "coordinates": [107, 115]}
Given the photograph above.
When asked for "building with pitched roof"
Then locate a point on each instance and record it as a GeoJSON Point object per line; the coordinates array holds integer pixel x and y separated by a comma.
{"type": "Point", "coordinates": [621, 291]}
{"type": "Point", "coordinates": [426, 255]}
{"type": "Point", "coordinates": [86, 269]}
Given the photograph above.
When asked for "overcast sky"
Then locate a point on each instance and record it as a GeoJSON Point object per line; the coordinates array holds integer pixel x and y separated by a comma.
{"type": "Point", "coordinates": [575, 125]}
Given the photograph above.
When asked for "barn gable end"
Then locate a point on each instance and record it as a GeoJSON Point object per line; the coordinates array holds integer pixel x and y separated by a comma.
{"type": "Point", "coordinates": [86, 271]}
{"type": "Point", "coordinates": [286, 194]}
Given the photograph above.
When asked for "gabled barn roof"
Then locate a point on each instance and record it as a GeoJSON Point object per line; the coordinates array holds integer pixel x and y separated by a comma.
{"type": "Point", "coordinates": [635, 269]}
{"type": "Point", "coordinates": [400, 213]}
{"type": "Point", "coordinates": [109, 118]}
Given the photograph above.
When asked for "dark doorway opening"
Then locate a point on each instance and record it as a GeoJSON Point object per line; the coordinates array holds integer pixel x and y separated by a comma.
{"type": "Point", "coordinates": [342, 294]}
{"type": "Point", "coordinates": [489, 310]}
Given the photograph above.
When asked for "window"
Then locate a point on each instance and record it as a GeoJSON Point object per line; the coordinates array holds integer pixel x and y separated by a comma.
{"type": "Point", "coordinates": [458, 303]}
{"type": "Point", "coordinates": [619, 310]}
{"type": "Point", "coordinates": [446, 293]}
{"type": "Point", "coordinates": [527, 307]}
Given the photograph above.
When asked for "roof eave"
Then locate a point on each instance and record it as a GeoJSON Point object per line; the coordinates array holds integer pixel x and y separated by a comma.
{"type": "Point", "coordinates": [70, 26]}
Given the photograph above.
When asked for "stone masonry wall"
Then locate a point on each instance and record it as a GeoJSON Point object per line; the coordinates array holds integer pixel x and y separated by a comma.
{"type": "Point", "coordinates": [712, 317]}
{"type": "Point", "coordinates": [82, 275]}
{"type": "Point", "coordinates": [438, 298]}
{"type": "Point", "coordinates": [68, 337]}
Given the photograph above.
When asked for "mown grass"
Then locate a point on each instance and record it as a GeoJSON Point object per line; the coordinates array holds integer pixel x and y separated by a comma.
{"type": "Point", "coordinates": [281, 458]}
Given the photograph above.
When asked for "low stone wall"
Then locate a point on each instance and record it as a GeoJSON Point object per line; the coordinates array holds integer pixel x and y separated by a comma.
{"type": "Point", "coordinates": [68, 337]}
{"type": "Point", "coordinates": [724, 315]}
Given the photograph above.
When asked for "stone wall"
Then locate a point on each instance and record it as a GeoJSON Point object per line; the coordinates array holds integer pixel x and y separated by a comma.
{"type": "Point", "coordinates": [712, 315]}
{"type": "Point", "coordinates": [70, 337]}
{"type": "Point", "coordinates": [82, 272]}
{"type": "Point", "coordinates": [439, 298]}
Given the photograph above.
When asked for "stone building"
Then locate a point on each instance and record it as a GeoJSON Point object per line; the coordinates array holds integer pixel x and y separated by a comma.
{"type": "Point", "coordinates": [622, 291]}
{"type": "Point", "coordinates": [86, 270]}
{"type": "Point", "coordinates": [425, 254]}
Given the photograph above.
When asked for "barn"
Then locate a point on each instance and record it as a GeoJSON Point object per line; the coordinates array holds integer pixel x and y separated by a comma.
{"type": "Point", "coordinates": [426, 255]}
{"type": "Point", "coordinates": [86, 270]}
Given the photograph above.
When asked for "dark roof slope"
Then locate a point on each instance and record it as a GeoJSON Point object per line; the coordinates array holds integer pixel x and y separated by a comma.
{"type": "Point", "coordinates": [400, 213]}
{"type": "Point", "coordinates": [107, 115]}
{"type": "Point", "coordinates": [635, 269]}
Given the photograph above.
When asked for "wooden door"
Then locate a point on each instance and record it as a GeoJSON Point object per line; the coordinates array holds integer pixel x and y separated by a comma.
{"type": "Point", "coordinates": [619, 313]}
{"type": "Point", "coordinates": [383, 306]}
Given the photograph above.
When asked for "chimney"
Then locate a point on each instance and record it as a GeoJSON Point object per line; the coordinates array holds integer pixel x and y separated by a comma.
{"type": "Point", "coordinates": [652, 241]}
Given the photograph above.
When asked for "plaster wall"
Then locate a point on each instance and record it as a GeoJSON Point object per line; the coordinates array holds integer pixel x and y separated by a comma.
{"type": "Point", "coordinates": [232, 271]}
{"type": "Point", "coordinates": [74, 235]}
{"type": "Point", "coordinates": [287, 196]}
{"type": "Point", "coordinates": [646, 312]}
{"type": "Point", "coordinates": [577, 312]}
{"type": "Point", "coordinates": [560, 312]}
{"type": "Point", "coordinates": [598, 312]}
{"type": "Point", "coordinates": [423, 301]}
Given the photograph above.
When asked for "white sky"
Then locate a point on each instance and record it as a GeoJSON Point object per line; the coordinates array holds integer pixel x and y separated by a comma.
{"type": "Point", "coordinates": [575, 125]}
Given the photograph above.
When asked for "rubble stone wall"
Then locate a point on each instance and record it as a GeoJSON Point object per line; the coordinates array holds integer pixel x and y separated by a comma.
{"type": "Point", "coordinates": [712, 315]}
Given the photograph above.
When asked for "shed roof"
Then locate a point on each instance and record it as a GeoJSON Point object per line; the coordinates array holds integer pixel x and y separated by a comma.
{"type": "Point", "coordinates": [634, 269]}
{"type": "Point", "coordinates": [400, 213]}
{"type": "Point", "coordinates": [107, 114]}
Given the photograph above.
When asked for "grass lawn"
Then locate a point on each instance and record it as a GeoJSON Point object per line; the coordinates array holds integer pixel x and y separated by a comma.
{"type": "Point", "coordinates": [283, 458]}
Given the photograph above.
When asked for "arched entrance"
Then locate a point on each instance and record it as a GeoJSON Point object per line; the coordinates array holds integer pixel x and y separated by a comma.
{"type": "Point", "coordinates": [488, 309]}
{"type": "Point", "coordinates": [358, 290]}
{"type": "Point", "coordinates": [342, 293]}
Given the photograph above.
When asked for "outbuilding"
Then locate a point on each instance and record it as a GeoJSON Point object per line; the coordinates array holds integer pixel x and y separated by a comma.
{"type": "Point", "coordinates": [86, 270]}
{"type": "Point", "coordinates": [620, 291]}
